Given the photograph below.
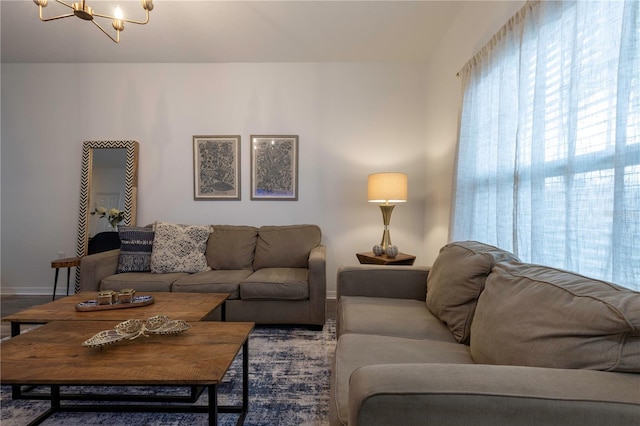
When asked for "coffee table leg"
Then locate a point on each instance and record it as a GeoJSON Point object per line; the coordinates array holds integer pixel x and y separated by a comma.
{"type": "Point", "coordinates": [16, 391]}
{"type": "Point", "coordinates": [55, 398]}
{"type": "Point", "coordinates": [245, 380]}
{"type": "Point", "coordinates": [213, 405]}
{"type": "Point", "coordinates": [243, 408]}
{"type": "Point", "coordinates": [55, 407]}
{"type": "Point", "coordinates": [15, 328]}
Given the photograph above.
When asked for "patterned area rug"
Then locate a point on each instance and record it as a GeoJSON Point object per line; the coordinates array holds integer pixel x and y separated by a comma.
{"type": "Point", "coordinates": [288, 385]}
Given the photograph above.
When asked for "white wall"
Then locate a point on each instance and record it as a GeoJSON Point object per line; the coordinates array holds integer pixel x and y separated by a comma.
{"type": "Point", "coordinates": [352, 120]}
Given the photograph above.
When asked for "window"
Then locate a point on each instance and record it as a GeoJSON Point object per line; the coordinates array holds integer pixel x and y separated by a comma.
{"type": "Point", "coordinates": [548, 161]}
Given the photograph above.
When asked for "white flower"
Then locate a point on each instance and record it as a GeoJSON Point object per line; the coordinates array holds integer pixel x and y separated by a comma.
{"type": "Point", "coordinates": [114, 216]}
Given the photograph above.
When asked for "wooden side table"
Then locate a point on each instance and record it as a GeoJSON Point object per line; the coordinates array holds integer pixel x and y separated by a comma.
{"type": "Point", "coordinates": [67, 262]}
{"type": "Point", "coordinates": [371, 259]}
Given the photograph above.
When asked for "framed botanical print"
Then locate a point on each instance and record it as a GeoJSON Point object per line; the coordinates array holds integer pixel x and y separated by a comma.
{"type": "Point", "coordinates": [274, 167]}
{"type": "Point", "coordinates": [216, 167]}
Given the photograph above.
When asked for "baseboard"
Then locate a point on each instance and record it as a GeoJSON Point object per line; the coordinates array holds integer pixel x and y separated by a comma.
{"type": "Point", "coordinates": [33, 291]}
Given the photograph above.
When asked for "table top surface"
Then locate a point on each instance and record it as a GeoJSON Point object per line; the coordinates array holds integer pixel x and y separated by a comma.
{"type": "Point", "coordinates": [184, 306]}
{"type": "Point", "coordinates": [371, 258]}
{"type": "Point", "coordinates": [54, 355]}
{"type": "Point", "coordinates": [66, 262]}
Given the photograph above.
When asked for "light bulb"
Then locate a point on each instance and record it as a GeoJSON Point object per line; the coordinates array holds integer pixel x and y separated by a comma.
{"type": "Point", "coordinates": [118, 13]}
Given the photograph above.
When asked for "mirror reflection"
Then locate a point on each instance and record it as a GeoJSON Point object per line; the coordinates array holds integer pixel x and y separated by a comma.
{"type": "Point", "coordinates": [109, 180]}
{"type": "Point", "coordinates": [108, 186]}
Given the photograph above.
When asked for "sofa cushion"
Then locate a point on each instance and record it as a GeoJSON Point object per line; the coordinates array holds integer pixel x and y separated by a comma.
{"type": "Point", "coordinates": [354, 351]}
{"type": "Point", "coordinates": [456, 280]}
{"type": "Point", "coordinates": [136, 244]}
{"type": "Point", "coordinates": [179, 248]}
{"type": "Point", "coordinates": [285, 246]}
{"type": "Point", "coordinates": [140, 281]}
{"type": "Point", "coordinates": [216, 281]}
{"type": "Point", "coordinates": [539, 316]}
{"type": "Point", "coordinates": [276, 284]}
{"type": "Point", "coordinates": [389, 317]}
{"type": "Point", "coordinates": [231, 247]}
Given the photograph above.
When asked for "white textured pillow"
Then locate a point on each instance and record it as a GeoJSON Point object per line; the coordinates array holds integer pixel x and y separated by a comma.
{"type": "Point", "coordinates": [179, 248]}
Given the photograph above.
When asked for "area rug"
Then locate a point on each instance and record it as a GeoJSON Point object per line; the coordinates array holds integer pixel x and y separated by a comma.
{"type": "Point", "coordinates": [288, 385]}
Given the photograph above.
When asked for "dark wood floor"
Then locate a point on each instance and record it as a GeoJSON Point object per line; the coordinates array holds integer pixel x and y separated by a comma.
{"type": "Point", "coordinates": [12, 304]}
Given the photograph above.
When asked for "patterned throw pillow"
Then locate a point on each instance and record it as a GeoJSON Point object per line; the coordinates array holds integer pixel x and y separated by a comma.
{"type": "Point", "coordinates": [135, 249]}
{"type": "Point", "coordinates": [179, 248]}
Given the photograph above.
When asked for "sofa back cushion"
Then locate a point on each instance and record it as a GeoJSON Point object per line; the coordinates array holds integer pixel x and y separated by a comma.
{"type": "Point", "coordinates": [544, 317]}
{"type": "Point", "coordinates": [456, 280]}
{"type": "Point", "coordinates": [231, 247]}
{"type": "Point", "coordinates": [285, 246]}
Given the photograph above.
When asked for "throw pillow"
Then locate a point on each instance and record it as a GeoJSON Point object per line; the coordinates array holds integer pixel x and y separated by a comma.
{"type": "Point", "coordinates": [539, 316]}
{"type": "Point", "coordinates": [179, 248]}
{"type": "Point", "coordinates": [135, 249]}
{"type": "Point", "coordinates": [456, 280]}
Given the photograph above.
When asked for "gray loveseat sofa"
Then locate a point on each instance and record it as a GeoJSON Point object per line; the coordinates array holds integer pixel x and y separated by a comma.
{"type": "Point", "coordinates": [483, 339]}
{"type": "Point", "coordinates": [274, 274]}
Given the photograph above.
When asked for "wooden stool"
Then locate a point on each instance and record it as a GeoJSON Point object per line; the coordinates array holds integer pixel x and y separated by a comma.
{"type": "Point", "coordinates": [68, 263]}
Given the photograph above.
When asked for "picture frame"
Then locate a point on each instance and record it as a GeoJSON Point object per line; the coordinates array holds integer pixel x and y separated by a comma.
{"type": "Point", "coordinates": [216, 167]}
{"type": "Point", "coordinates": [274, 167]}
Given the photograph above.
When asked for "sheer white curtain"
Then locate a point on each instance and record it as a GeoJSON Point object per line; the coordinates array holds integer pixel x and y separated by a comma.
{"type": "Point", "coordinates": [548, 162]}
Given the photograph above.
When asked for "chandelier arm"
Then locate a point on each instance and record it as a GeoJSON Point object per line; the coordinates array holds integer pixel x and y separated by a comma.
{"type": "Point", "coordinates": [124, 19]}
{"type": "Point", "coordinates": [70, 6]}
{"type": "Point", "coordinates": [83, 11]}
{"type": "Point", "coordinates": [53, 18]}
{"type": "Point", "coordinates": [115, 40]}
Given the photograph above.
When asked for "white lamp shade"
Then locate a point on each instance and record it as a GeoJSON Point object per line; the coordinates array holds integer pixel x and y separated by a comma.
{"type": "Point", "coordinates": [387, 187]}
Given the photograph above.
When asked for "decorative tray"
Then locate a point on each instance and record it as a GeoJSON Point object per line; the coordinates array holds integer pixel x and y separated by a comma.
{"type": "Point", "coordinates": [134, 328]}
{"type": "Point", "coordinates": [136, 301]}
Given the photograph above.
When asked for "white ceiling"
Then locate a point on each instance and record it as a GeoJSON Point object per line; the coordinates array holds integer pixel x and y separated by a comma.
{"type": "Point", "coordinates": [231, 31]}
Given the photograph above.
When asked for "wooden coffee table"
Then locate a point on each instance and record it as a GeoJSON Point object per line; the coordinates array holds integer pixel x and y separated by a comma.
{"type": "Point", "coordinates": [178, 306]}
{"type": "Point", "coordinates": [199, 356]}
{"type": "Point", "coordinates": [184, 306]}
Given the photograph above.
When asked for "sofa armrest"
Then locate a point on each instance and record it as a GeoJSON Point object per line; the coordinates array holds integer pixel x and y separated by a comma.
{"type": "Point", "coordinates": [436, 394]}
{"type": "Point", "coordinates": [95, 267]}
{"type": "Point", "coordinates": [400, 282]}
{"type": "Point", "coordinates": [318, 284]}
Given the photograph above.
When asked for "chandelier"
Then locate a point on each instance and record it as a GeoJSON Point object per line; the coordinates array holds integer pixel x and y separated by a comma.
{"type": "Point", "coordinates": [83, 11]}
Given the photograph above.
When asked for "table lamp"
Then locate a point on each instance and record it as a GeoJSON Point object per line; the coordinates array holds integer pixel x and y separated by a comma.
{"type": "Point", "coordinates": [387, 188]}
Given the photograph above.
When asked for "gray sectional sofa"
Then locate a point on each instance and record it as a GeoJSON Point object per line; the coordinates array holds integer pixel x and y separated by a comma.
{"type": "Point", "coordinates": [274, 274]}
{"type": "Point", "coordinates": [483, 339]}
